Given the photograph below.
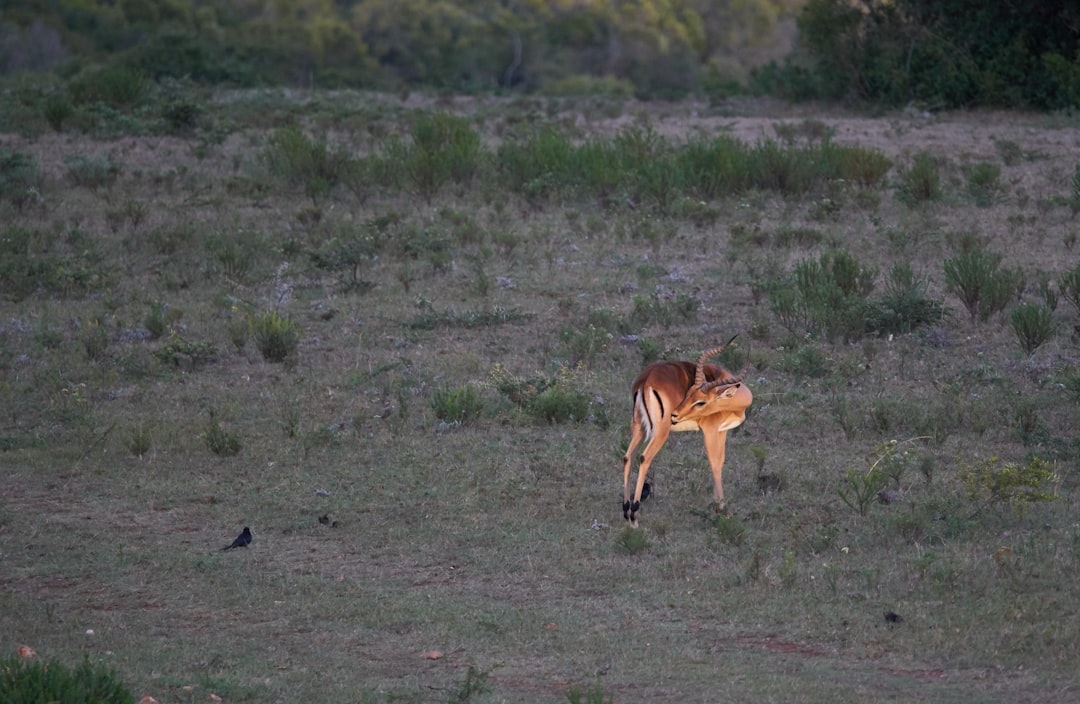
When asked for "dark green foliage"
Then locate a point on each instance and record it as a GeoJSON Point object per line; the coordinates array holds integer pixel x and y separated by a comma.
{"type": "Point", "coordinates": [117, 87]}
{"type": "Point", "coordinates": [904, 306]}
{"type": "Point", "coordinates": [921, 183]}
{"type": "Point", "coordinates": [640, 165]}
{"type": "Point", "coordinates": [460, 404]}
{"type": "Point", "coordinates": [444, 149]}
{"type": "Point", "coordinates": [275, 337]}
{"type": "Point", "coordinates": [1033, 325]}
{"type": "Point", "coordinates": [729, 530]}
{"type": "Point", "coordinates": [428, 318]}
{"type": "Point", "coordinates": [57, 108]}
{"type": "Point", "coordinates": [32, 261]}
{"type": "Point", "coordinates": [983, 183]}
{"type": "Point", "coordinates": [859, 489]}
{"type": "Point", "coordinates": [948, 53]}
{"type": "Point", "coordinates": [663, 309]}
{"type": "Point", "coordinates": [975, 277]}
{"type": "Point", "coordinates": [590, 695]}
{"type": "Point", "coordinates": [632, 541]}
{"type": "Point", "coordinates": [32, 681]}
{"type": "Point", "coordinates": [549, 400]}
{"type": "Point", "coordinates": [155, 320]}
{"type": "Point", "coordinates": [186, 355]}
{"type": "Point", "coordinates": [222, 442]}
{"type": "Point", "coordinates": [993, 481]}
{"type": "Point", "coordinates": [560, 404]}
{"type": "Point", "coordinates": [20, 177]}
{"type": "Point", "coordinates": [301, 161]}
{"type": "Point", "coordinates": [1069, 284]}
{"type": "Point", "coordinates": [351, 249]}
{"type": "Point", "coordinates": [826, 297]}
{"type": "Point", "coordinates": [92, 171]}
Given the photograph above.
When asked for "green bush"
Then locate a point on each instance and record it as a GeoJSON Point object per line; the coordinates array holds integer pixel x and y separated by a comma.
{"type": "Point", "coordinates": [983, 183]}
{"type": "Point", "coordinates": [550, 400]}
{"type": "Point", "coordinates": [631, 541]}
{"type": "Point", "coordinates": [178, 352]}
{"type": "Point", "coordinates": [583, 344]}
{"type": "Point", "coordinates": [946, 54]}
{"type": "Point", "coordinates": [221, 442]}
{"type": "Point", "coordinates": [729, 530]}
{"type": "Point", "coordinates": [993, 481]}
{"type": "Point", "coordinates": [92, 171]}
{"type": "Point", "coordinates": [1069, 284]}
{"type": "Point", "coordinates": [443, 149]}
{"type": "Point", "coordinates": [660, 309]}
{"type": "Point", "coordinates": [921, 182]}
{"type": "Point", "coordinates": [975, 277]}
{"type": "Point", "coordinates": [155, 321]}
{"type": "Point", "coordinates": [297, 160]}
{"type": "Point", "coordinates": [276, 337]}
{"type": "Point", "coordinates": [904, 306]}
{"type": "Point", "coordinates": [827, 297]}
{"type": "Point", "coordinates": [20, 178]}
{"type": "Point", "coordinates": [115, 86]}
{"type": "Point", "coordinates": [460, 404]}
{"type": "Point", "coordinates": [57, 108]}
{"type": "Point", "coordinates": [1032, 324]}
{"type": "Point", "coordinates": [29, 681]}
{"type": "Point", "coordinates": [559, 404]}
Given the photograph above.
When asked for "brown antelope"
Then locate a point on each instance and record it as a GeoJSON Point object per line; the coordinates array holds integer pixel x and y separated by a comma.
{"type": "Point", "coordinates": [683, 396]}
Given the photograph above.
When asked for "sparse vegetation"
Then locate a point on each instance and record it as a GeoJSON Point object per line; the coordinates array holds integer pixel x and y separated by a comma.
{"type": "Point", "coordinates": [458, 334]}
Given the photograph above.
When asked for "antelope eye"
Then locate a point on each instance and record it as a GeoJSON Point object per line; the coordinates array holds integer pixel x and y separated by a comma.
{"type": "Point", "coordinates": [699, 403]}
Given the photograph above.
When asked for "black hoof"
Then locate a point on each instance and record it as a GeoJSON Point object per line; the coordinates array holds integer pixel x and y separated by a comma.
{"type": "Point", "coordinates": [626, 510]}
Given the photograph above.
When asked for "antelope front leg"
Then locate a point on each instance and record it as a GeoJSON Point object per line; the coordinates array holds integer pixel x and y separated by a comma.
{"type": "Point", "coordinates": [715, 447]}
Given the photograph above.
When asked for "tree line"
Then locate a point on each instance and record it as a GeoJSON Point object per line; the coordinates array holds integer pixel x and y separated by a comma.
{"type": "Point", "coordinates": [938, 53]}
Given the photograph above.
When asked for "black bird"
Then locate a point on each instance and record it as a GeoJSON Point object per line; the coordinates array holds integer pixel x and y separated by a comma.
{"type": "Point", "coordinates": [242, 540]}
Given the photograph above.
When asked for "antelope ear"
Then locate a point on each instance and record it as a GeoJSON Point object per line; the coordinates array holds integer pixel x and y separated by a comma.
{"type": "Point", "coordinates": [729, 391]}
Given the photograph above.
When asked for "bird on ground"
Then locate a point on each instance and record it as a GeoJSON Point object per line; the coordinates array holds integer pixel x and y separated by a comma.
{"type": "Point", "coordinates": [242, 540]}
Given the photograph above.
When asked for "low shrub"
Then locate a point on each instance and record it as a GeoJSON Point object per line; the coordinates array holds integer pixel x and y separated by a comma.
{"type": "Point", "coordinates": [276, 337]}
{"type": "Point", "coordinates": [461, 404]}
{"type": "Point", "coordinates": [20, 178]}
{"type": "Point", "coordinates": [92, 171]}
{"type": "Point", "coordinates": [995, 482]}
{"type": "Point", "coordinates": [222, 442]}
{"type": "Point", "coordinates": [921, 182]}
{"type": "Point", "coordinates": [975, 277]}
{"type": "Point", "coordinates": [1032, 324]}
{"type": "Point", "coordinates": [296, 160]}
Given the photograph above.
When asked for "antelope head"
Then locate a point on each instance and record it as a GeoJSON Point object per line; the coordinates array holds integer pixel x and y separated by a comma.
{"type": "Point", "coordinates": [716, 397]}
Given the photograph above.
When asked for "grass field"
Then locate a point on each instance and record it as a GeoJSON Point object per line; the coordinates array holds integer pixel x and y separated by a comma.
{"type": "Point", "coordinates": [399, 348]}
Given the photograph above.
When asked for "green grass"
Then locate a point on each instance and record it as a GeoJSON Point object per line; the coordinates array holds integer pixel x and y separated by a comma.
{"type": "Point", "coordinates": [437, 464]}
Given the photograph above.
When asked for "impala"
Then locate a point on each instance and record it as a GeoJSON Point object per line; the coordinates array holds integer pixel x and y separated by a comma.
{"type": "Point", "coordinates": [683, 396]}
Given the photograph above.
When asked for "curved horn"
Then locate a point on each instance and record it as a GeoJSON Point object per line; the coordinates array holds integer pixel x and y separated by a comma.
{"type": "Point", "coordinates": [699, 375]}
{"type": "Point", "coordinates": [731, 380]}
